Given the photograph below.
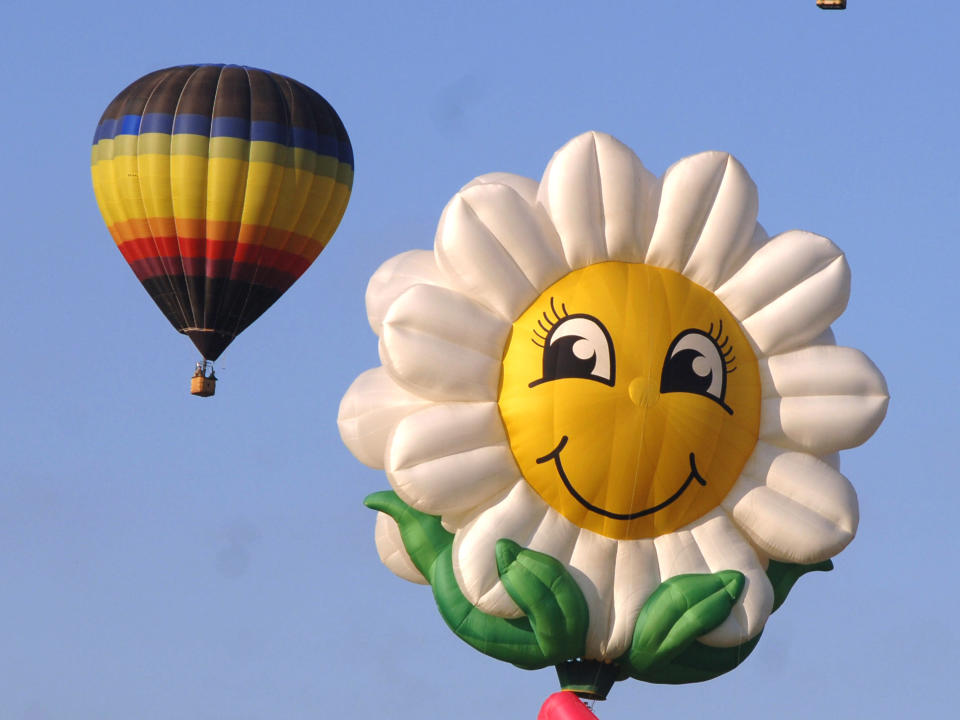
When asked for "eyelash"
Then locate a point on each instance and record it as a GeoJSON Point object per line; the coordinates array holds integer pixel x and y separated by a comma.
{"type": "Point", "coordinates": [557, 317]}
{"type": "Point", "coordinates": [727, 355]}
{"type": "Point", "coordinates": [726, 350]}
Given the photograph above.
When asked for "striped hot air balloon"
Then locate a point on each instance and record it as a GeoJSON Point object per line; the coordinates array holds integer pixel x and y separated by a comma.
{"type": "Point", "coordinates": [220, 184]}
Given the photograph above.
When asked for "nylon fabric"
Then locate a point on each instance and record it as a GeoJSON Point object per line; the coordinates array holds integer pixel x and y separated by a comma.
{"type": "Point", "coordinates": [220, 186]}
{"type": "Point", "coordinates": [616, 438]}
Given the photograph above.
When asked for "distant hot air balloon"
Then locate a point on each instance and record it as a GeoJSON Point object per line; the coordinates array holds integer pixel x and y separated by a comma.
{"type": "Point", "coordinates": [220, 184]}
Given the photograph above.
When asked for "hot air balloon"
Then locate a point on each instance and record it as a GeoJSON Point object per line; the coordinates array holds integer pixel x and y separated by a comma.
{"type": "Point", "coordinates": [609, 410]}
{"type": "Point", "coordinates": [220, 184]}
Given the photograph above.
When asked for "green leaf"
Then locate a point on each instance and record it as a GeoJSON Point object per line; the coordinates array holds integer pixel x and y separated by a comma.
{"type": "Point", "coordinates": [512, 641]}
{"type": "Point", "coordinates": [431, 549]}
{"type": "Point", "coordinates": [679, 611]}
{"type": "Point", "coordinates": [555, 626]}
{"type": "Point", "coordinates": [423, 536]}
{"type": "Point", "coordinates": [550, 597]}
{"type": "Point", "coordinates": [784, 575]}
{"type": "Point", "coordinates": [699, 662]}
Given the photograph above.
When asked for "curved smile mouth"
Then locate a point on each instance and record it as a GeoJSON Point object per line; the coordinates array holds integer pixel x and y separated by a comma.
{"type": "Point", "coordinates": [555, 456]}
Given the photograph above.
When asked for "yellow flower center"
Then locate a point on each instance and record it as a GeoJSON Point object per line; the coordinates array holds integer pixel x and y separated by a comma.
{"type": "Point", "coordinates": [631, 399]}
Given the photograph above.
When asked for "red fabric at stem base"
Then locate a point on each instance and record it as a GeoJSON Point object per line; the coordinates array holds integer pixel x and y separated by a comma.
{"type": "Point", "coordinates": [565, 705]}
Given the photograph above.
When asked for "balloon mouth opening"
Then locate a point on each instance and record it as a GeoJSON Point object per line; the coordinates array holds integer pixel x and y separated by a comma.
{"type": "Point", "coordinates": [587, 679]}
{"type": "Point", "coordinates": [210, 343]}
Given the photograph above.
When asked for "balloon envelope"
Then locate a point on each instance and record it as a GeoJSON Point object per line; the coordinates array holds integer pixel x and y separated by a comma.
{"type": "Point", "coordinates": [608, 408]}
{"type": "Point", "coordinates": [220, 185]}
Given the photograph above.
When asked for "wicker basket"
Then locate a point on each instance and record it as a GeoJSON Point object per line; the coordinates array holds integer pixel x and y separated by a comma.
{"type": "Point", "coordinates": [203, 386]}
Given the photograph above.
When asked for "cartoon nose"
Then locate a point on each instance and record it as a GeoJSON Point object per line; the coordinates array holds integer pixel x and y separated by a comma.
{"type": "Point", "coordinates": [642, 392]}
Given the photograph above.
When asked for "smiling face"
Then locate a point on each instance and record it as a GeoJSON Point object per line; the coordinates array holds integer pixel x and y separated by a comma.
{"type": "Point", "coordinates": [631, 399]}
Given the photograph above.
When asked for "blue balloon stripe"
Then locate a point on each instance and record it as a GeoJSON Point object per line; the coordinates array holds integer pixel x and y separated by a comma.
{"type": "Point", "coordinates": [157, 123]}
{"type": "Point", "coordinates": [346, 153]}
{"type": "Point", "coordinates": [235, 127]}
{"type": "Point", "coordinates": [190, 124]}
{"type": "Point", "coordinates": [124, 125]}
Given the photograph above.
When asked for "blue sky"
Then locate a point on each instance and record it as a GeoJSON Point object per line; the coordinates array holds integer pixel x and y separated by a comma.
{"type": "Point", "coordinates": [164, 556]}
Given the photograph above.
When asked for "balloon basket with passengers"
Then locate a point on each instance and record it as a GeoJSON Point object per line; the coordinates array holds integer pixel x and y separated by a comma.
{"type": "Point", "coordinates": [204, 380]}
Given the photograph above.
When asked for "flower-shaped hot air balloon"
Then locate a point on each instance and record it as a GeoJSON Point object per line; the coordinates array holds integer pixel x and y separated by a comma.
{"type": "Point", "coordinates": [609, 410]}
{"type": "Point", "coordinates": [220, 186]}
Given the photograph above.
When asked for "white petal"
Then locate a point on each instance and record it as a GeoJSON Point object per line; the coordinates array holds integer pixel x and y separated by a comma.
{"type": "Point", "coordinates": [498, 248]}
{"type": "Point", "coordinates": [515, 517]}
{"type": "Point", "coordinates": [793, 506]}
{"type": "Point", "coordinates": [706, 220]}
{"type": "Point", "coordinates": [759, 239]}
{"type": "Point", "coordinates": [556, 536]}
{"type": "Point", "coordinates": [392, 552]}
{"type": "Point", "coordinates": [789, 292]}
{"type": "Point", "coordinates": [724, 548]}
{"type": "Point", "coordinates": [629, 197]}
{"type": "Point", "coordinates": [741, 255]}
{"type": "Point", "coordinates": [825, 338]}
{"type": "Point", "coordinates": [391, 279]}
{"type": "Point", "coordinates": [370, 409]}
{"type": "Point", "coordinates": [524, 186]}
{"type": "Point", "coordinates": [450, 457]}
{"type": "Point", "coordinates": [442, 345]}
{"type": "Point", "coordinates": [679, 554]}
{"type": "Point", "coordinates": [601, 200]}
{"type": "Point", "coordinates": [593, 566]}
{"type": "Point", "coordinates": [821, 399]}
{"type": "Point", "coordinates": [637, 575]}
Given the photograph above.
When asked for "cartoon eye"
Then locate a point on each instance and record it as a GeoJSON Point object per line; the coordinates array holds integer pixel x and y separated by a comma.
{"type": "Point", "coordinates": [578, 346]}
{"type": "Point", "coordinates": [697, 364]}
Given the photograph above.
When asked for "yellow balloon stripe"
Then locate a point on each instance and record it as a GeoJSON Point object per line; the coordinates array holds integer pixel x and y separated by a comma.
{"type": "Point", "coordinates": [190, 186]}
